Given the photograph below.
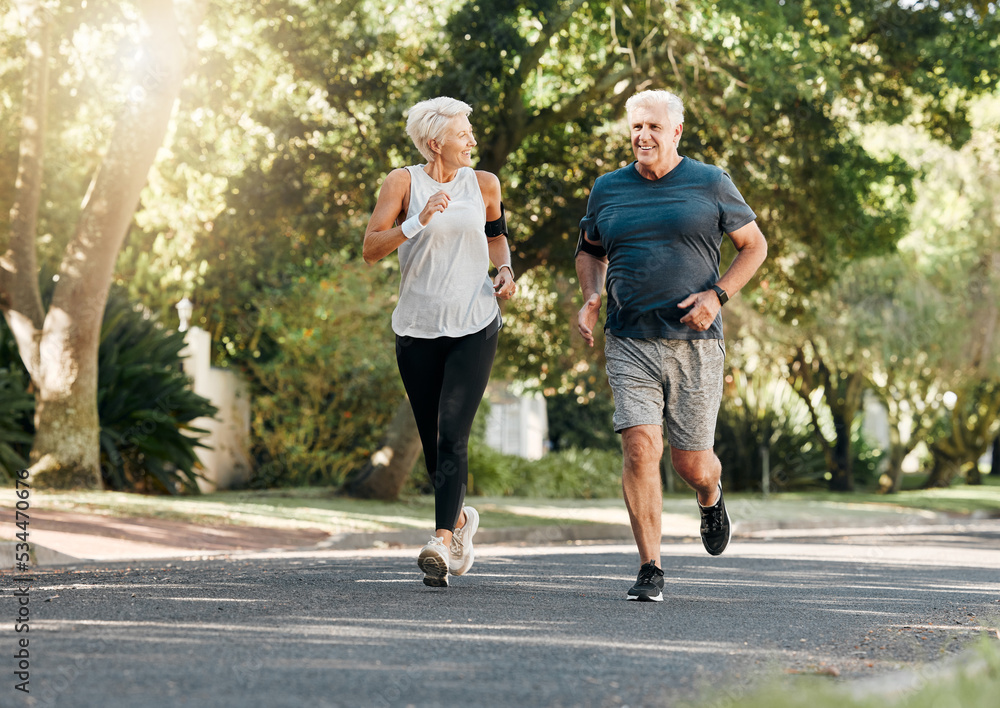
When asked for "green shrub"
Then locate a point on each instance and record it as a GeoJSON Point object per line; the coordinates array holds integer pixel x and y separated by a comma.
{"type": "Point", "coordinates": [16, 409]}
{"type": "Point", "coordinates": [566, 474]}
{"type": "Point", "coordinates": [764, 412]}
{"type": "Point", "coordinates": [324, 380]}
{"type": "Point", "coordinates": [145, 404]}
{"type": "Point", "coordinates": [577, 422]}
{"type": "Point", "coordinates": [491, 472]}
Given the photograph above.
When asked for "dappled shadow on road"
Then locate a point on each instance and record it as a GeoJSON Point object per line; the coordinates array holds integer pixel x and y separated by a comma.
{"type": "Point", "coordinates": [526, 627]}
{"type": "Point", "coordinates": [51, 527]}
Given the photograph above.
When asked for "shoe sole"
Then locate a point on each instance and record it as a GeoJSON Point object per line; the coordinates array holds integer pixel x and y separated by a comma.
{"type": "Point", "coordinates": [645, 598]}
{"type": "Point", "coordinates": [471, 557]}
{"type": "Point", "coordinates": [435, 570]}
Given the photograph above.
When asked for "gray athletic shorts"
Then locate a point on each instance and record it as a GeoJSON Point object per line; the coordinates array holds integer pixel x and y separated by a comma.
{"type": "Point", "coordinates": [676, 379]}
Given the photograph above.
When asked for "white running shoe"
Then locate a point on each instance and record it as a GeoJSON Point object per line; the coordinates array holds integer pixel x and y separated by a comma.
{"type": "Point", "coordinates": [462, 553]}
{"type": "Point", "coordinates": [433, 560]}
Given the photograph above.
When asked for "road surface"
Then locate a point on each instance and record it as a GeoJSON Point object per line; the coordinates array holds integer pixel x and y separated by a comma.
{"type": "Point", "coordinates": [529, 626]}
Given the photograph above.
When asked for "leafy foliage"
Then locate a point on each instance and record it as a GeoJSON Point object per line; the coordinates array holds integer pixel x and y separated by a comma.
{"type": "Point", "coordinates": [296, 112]}
{"type": "Point", "coordinates": [575, 422]}
{"type": "Point", "coordinates": [298, 109]}
{"type": "Point", "coordinates": [568, 474]}
{"type": "Point", "coordinates": [145, 404]}
{"type": "Point", "coordinates": [540, 346]}
{"type": "Point", "coordinates": [16, 407]}
{"type": "Point", "coordinates": [763, 413]}
{"type": "Point", "coordinates": [325, 373]}
{"type": "Point", "coordinates": [281, 140]}
{"type": "Point", "coordinates": [144, 400]}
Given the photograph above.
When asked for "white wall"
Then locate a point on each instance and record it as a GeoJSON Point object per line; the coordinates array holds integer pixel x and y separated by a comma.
{"type": "Point", "coordinates": [517, 425]}
{"type": "Point", "coordinates": [227, 461]}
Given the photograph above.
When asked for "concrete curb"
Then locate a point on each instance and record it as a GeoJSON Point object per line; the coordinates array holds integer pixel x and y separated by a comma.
{"type": "Point", "coordinates": [593, 532]}
{"type": "Point", "coordinates": [40, 555]}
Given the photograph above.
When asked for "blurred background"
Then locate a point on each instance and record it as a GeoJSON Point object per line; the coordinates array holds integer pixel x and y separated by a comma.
{"type": "Point", "coordinates": [230, 153]}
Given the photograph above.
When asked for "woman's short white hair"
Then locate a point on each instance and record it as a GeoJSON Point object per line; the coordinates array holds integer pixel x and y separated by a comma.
{"type": "Point", "coordinates": [657, 98]}
{"type": "Point", "coordinates": [428, 119]}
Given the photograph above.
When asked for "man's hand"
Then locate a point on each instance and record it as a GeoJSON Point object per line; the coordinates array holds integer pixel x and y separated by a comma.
{"type": "Point", "coordinates": [587, 319]}
{"type": "Point", "coordinates": [704, 308]}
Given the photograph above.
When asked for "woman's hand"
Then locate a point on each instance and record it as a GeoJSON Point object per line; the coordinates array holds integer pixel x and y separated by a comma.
{"type": "Point", "coordinates": [437, 203]}
{"type": "Point", "coordinates": [504, 286]}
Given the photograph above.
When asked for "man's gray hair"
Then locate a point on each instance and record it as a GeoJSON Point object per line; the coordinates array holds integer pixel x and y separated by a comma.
{"type": "Point", "coordinates": [428, 119]}
{"type": "Point", "coordinates": [657, 98]}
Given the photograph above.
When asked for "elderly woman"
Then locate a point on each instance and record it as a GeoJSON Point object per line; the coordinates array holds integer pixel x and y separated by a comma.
{"type": "Point", "coordinates": [446, 221]}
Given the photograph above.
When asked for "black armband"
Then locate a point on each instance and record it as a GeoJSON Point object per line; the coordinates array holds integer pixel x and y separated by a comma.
{"type": "Point", "coordinates": [594, 249]}
{"type": "Point", "coordinates": [497, 227]}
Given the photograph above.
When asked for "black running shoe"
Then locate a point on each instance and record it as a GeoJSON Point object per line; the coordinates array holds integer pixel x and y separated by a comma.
{"type": "Point", "coordinates": [648, 585]}
{"type": "Point", "coordinates": [716, 530]}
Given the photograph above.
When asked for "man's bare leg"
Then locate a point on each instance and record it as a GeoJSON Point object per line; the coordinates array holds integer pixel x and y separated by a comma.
{"type": "Point", "coordinates": [642, 446]}
{"type": "Point", "coordinates": [701, 470]}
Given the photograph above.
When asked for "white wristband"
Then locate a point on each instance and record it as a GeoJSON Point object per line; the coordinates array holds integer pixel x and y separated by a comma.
{"type": "Point", "coordinates": [412, 226]}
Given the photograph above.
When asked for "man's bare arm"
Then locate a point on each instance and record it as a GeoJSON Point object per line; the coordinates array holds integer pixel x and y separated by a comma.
{"type": "Point", "coordinates": [591, 271]}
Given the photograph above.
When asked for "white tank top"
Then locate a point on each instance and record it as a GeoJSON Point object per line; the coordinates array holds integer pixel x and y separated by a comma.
{"type": "Point", "coordinates": [445, 289]}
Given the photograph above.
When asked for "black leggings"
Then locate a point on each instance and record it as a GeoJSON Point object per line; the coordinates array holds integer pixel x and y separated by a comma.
{"type": "Point", "coordinates": [445, 379]}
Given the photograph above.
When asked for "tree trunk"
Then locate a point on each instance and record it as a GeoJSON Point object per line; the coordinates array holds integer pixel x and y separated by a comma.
{"type": "Point", "coordinates": [66, 449]}
{"type": "Point", "coordinates": [842, 479]}
{"type": "Point", "coordinates": [944, 470]}
{"type": "Point", "coordinates": [892, 480]}
{"type": "Point", "coordinates": [842, 394]}
{"type": "Point", "coordinates": [972, 422]}
{"type": "Point", "coordinates": [20, 298]}
{"type": "Point", "coordinates": [995, 459]}
{"type": "Point", "coordinates": [386, 472]}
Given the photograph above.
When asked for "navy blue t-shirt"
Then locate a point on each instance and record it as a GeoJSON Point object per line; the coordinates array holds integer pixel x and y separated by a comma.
{"type": "Point", "coordinates": [663, 239]}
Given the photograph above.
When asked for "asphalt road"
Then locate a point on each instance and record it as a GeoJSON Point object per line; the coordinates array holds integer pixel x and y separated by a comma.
{"type": "Point", "coordinates": [530, 626]}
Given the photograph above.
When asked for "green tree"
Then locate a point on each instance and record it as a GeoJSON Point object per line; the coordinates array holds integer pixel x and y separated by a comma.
{"type": "Point", "coordinates": [326, 393]}
{"type": "Point", "coordinates": [314, 93]}
{"type": "Point", "coordinates": [922, 322]}
{"type": "Point", "coordinates": [774, 97]}
{"type": "Point", "coordinates": [964, 262]}
{"type": "Point", "coordinates": [59, 345]}
{"type": "Point", "coordinates": [898, 316]}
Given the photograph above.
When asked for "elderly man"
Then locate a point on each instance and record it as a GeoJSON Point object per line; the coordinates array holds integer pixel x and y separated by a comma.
{"type": "Point", "coordinates": [653, 234]}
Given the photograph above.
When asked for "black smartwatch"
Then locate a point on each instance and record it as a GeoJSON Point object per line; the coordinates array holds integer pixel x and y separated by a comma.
{"type": "Point", "coordinates": [723, 295]}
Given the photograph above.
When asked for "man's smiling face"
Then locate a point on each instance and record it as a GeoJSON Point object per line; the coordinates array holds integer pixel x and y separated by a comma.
{"type": "Point", "coordinates": [654, 139]}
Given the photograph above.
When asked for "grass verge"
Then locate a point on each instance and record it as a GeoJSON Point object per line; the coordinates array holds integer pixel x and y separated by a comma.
{"type": "Point", "coordinates": [971, 681]}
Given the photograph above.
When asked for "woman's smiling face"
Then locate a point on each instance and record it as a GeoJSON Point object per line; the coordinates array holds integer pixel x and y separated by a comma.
{"type": "Point", "coordinates": [455, 146]}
